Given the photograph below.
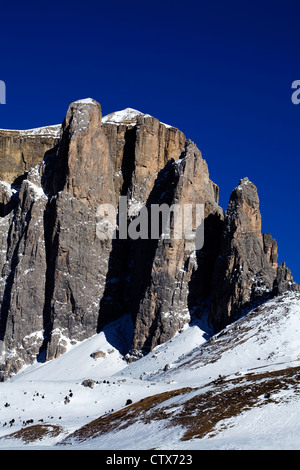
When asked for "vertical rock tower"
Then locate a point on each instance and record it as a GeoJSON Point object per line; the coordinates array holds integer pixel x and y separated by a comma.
{"type": "Point", "coordinates": [246, 270]}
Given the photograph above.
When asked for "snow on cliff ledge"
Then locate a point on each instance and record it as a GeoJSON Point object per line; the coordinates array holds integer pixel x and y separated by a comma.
{"type": "Point", "coordinates": [125, 116]}
{"type": "Point", "coordinates": [52, 131]}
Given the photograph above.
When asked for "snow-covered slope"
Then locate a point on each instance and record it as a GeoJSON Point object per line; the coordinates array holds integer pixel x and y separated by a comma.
{"type": "Point", "coordinates": [235, 390]}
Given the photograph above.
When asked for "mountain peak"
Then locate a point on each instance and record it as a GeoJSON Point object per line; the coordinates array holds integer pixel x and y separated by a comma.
{"type": "Point", "coordinates": [244, 181]}
{"type": "Point", "coordinates": [124, 116]}
{"type": "Point", "coordinates": [86, 101]}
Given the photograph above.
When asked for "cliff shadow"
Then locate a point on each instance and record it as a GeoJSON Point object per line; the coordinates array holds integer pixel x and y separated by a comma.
{"type": "Point", "coordinates": [53, 180]}
{"type": "Point", "coordinates": [51, 234]}
{"type": "Point", "coordinates": [55, 164]}
{"type": "Point", "coordinates": [7, 207]}
{"type": "Point", "coordinates": [14, 261]}
{"type": "Point", "coordinates": [199, 287]}
{"type": "Point", "coordinates": [131, 261]}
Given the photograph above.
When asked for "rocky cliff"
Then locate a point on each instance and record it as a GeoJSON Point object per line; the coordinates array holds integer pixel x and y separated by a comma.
{"type": "Point", "coordinates": [22, 150]}
{"type": "Point", "coordinates": [246, 270]}
{"type": "Point", "coordinates": [61, 282]}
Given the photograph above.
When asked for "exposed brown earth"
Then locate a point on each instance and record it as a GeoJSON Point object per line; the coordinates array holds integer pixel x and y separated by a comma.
{"type": "Point", "coordinates": [36, 432]}
{"type": "Point", "coordinates": [210, 407]}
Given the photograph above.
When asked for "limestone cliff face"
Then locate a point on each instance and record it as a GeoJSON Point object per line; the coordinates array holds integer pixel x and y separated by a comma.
{"type": "Point", "coordinates": [58, 276]}
{"type": "Point", "coordinates": [165, 305]}
{"type": "Point", "coordinates": [140, 146]}
{"type": "Point", "coordinates": [61, 282]}
{"type": "Point", "coordinates": [76, 178]}
{"type": "Point", "coordinates": [22, 150]}
{"type": "Point", "coordinates": [23, 268]}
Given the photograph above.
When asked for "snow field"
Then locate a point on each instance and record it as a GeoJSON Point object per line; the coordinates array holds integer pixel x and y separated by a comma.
{"type": "Point", "coordinates": [265, 340]}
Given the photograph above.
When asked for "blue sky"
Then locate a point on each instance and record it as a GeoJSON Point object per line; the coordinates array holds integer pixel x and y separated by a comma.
{"type": "Point", "coordinates": [221, 71]}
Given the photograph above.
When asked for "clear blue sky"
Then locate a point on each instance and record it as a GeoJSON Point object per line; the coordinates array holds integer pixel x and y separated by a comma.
{"type": "Point", "coordinates": [221, 71]}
